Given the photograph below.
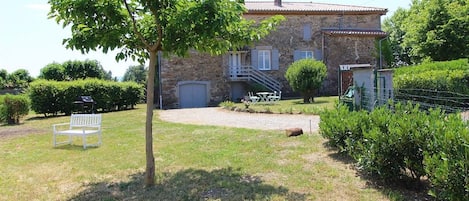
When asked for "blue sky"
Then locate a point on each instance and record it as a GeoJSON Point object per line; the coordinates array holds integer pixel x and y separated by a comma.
{"type": "Point", "coordinates": [28, 40]}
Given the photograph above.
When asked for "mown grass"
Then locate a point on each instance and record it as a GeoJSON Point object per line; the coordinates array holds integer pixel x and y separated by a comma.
{"type": "Point", "coordinates": [192, 163]}
{"type": "Point", "coordinates": [292, 106]}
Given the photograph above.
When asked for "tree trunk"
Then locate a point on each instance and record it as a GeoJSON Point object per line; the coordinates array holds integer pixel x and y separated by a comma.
{"type": "Point", "coordinates": [308, 96]}
{"type": "Point", "coordinates": [150, 168]}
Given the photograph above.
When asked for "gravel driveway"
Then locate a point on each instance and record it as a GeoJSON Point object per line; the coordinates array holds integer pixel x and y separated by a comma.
{"type": "Point", "coordinates": [221, 117]}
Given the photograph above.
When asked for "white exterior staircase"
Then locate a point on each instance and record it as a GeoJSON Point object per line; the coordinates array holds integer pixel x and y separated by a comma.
{"type": "Point", "coordinates": [249, 73]}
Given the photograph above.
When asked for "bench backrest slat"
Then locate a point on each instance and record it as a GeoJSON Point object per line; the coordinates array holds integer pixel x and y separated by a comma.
{"type": "Point", "coordinates": [85, 119]}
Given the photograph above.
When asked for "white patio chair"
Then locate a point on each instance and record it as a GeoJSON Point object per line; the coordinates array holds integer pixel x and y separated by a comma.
{"type": "Point", "coordinates": [253, 98]}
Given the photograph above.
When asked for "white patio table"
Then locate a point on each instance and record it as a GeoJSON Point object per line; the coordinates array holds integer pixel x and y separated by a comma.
{"type": "Point", "coordinates": [264, 96]}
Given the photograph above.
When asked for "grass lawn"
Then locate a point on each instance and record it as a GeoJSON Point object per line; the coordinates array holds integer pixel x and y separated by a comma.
{"type": "Point", "coordinates": [294, 106]}
{"type": "Point", "coordinates": [192, 163]}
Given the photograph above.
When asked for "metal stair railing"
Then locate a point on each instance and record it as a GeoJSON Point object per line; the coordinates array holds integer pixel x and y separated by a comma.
{"type": "Point", "coordinates": [248, 73]}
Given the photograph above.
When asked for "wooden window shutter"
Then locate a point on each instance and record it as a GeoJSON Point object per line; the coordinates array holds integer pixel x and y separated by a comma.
{"type": "Point", "coordinates": [296, 55]}
{"type": "Point", "coordinates": [318, 54]}
{"type": "Point", "coordinates": [275, 59]}
{"type": "Point", "coordinates": [254, 58]}
{"type": "Point", "coordinates": [307, 32]}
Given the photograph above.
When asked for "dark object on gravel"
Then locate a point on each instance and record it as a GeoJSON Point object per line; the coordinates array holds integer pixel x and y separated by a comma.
{"type": "Point", "coordinates": [293, 132]}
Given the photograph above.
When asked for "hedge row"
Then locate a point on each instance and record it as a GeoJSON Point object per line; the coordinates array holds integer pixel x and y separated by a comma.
{"type": "Point", "coordinates": [439, 83]}
{"type": "Point", "coordinates": [13, 108]}
{"type": "Point", "coordinates": [53, 97]}
{"type": "Point", "coordinates": [460, 64]}
{"type": "Point", "coordinates": [405, 142]}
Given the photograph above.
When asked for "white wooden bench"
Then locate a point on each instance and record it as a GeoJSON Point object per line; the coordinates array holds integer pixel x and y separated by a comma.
{"type": "Point", "coordinates": [81, 125]}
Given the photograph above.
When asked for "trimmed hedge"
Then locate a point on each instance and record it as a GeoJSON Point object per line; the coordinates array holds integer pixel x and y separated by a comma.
{"type": "Point", "coordinates": [13, 108]}
{"type": "Point", "coordinates": [405, 142]}
{"type": "Point", "coordinates": [438, 83]}
{"type": "Point", "coordinates": [460, 64]}
{"type": "Point", "coordinates": [54, 97]}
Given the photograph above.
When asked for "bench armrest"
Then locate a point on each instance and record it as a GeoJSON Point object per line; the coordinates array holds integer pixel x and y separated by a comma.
{"type": "Point", "coordinates": [54, 126]}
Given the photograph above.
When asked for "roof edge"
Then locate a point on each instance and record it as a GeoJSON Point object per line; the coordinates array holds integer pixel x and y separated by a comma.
{"type": "Point", "coordinates": [355, 32]}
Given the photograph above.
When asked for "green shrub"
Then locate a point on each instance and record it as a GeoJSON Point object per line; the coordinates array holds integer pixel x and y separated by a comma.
{"type": "Point", "coordinates": [404, 141]}
{"type": "Point", "coordinates": [44, 97]}
{"type": "Point", "coordinates": [343, 128]}
{"type": "Point", "coordinates": [444, 84]}
{"type": "Point", "coordinates": [227, 104]}
{"type": "Point", "coordinates": [306, 76]}
{"type": "Point", "coordinates": [395, 143]}
{"type": "Point", "coordinates": [13, 108]}
{"type": "Point", "coordinates": [447, 159]}
{"type": "Point", "coordinates": [53, 97]}
{"type": "Point", "coordinates": [460, 64]}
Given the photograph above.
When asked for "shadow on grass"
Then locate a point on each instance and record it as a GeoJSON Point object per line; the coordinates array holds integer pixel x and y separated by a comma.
{"type": "Point", "coordinates": [74, 147]}
{"type": "Point", "coordinates": [402, 188]}
{"type": "Point", "coordinates": [189, 184]}
{"type": "Point", "coordinates": [316, 102]}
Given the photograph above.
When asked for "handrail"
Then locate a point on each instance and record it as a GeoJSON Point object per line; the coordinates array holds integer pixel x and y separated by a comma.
{"type": "Point", "coordinates": [251, 74]}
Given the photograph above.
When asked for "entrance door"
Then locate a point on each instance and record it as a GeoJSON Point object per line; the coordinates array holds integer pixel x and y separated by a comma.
{"type": "Point", "coordinates": [234, 61]}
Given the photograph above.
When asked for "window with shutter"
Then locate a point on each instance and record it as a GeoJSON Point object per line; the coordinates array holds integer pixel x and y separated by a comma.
{"type": "Point", "coordinates": [275, 59]}
{"type": "Point", "coordinates": [254, 58]}
{"type": "Point", "coordinates": [263, 59]}
{"type": "Point", "coordinates": [318, 54]}
{"type": "Point", "coordinates": [302, 54]}
{"type": "Point", "coordinates": [307, 32]}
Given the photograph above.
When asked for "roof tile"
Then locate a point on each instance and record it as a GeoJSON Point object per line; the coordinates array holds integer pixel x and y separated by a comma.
{"type": "Point", "coordinates": [355, 32]}
{"type": "Point", "coordinates": [268, 6]}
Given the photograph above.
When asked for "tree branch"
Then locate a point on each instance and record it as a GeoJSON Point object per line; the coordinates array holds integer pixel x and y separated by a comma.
{"type": "Point", "coordinates": [157, 45]}
{"type": "Point", "coordinates": [134, 25]}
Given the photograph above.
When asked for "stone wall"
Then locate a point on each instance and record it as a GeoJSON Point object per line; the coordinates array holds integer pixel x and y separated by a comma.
{"type": "Point", "coordinates": [335, 50]}
{"type": "Point", "coordinates": [288, 37]}
{"type": "Point", "coordinates": [195, 67]}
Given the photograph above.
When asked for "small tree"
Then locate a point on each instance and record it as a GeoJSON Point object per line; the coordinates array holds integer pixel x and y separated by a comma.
{"type": "Point", "coordinates": [13, 108]}
{"type": "Point", "coordinates": [142, 28]}
{"type": "Point", "coordinates": [75, 70]}
{"type": "Point", "coordinates": [306, 76]}
{"type": "Point", "coordinates": [136, 74]}
{"type": "Point", "coordinates": [53, 71]}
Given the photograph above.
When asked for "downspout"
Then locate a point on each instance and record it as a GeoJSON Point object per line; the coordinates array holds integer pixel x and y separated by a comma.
{"type": "Point", "coordinates": [380, 67]}
{"type": "Point", "coordinates": [160, 82]}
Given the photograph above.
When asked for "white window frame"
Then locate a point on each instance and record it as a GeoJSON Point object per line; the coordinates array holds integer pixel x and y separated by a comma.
{"type": "Point", "coordinates": [264, 59]}
{"type": "Point", "coordinates": [234, 59]}
{"type": "Point", "coordinates": [306, 54]}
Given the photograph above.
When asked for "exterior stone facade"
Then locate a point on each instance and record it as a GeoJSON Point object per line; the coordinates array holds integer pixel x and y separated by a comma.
{"type": "Point", "coordinates": [335, 37]}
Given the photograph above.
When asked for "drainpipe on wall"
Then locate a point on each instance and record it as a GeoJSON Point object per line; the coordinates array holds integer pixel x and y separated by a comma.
{"type": "Point", "coordinates": [380, 67]}
{"type": "Point", "coordinates": [160, 85]}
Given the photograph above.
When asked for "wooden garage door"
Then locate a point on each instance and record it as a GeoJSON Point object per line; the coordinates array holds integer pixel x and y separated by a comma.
{"type": "Point", "coordinates": [192, 95]}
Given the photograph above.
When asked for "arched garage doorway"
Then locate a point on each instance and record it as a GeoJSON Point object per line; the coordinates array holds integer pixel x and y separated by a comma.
{"type": "Point", "coordinates": [193, 94]}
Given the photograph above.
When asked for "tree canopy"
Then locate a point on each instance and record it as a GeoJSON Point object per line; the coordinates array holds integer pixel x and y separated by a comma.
{"type": "Point", "coordinates": [74, 70]}
{"type": "Point", "coordinates": [306, 76]}
{"type": "Point", "coordinates": [136, 74]}
{"type": "Point", "coordinates": [17, 79]}
{"type": "Point", "coordinates": [435, 30]}
{"type": "Point", "coordinates": [141, 28]}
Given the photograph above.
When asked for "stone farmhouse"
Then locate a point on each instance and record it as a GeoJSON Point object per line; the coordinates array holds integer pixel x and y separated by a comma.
{"type": "Point", "coordinates": [335, 34]}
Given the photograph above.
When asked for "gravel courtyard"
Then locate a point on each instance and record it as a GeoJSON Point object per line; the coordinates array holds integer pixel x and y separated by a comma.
{"type": "Point", "coordinates": [221, 117]}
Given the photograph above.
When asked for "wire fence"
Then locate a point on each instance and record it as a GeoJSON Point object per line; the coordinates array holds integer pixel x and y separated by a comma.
{"type": "Point", "coordinates": [447, 101]}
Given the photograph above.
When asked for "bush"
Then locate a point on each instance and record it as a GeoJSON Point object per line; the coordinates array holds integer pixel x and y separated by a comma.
{"type": "Point", "coordinates": [393, 147]}
{"type": "Point", "coordinates": [13, 108]}
{"type": "Point", "coordinates": [306, 76]}
{"type": "Point", "coordinates": [343, 128]}
{"type": "Point", "coordinates": [444, 84]}
{"type": "Point", "coordinates": [447, 159]}
{"type": "Point", "coordinates": [404, 141]}
{"type": "Point", "coordinates": [53, 97]}
{"type": "Point", "coordinates": [227, 104]}
{"type": "Point", "coordinates": [460, 64]}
